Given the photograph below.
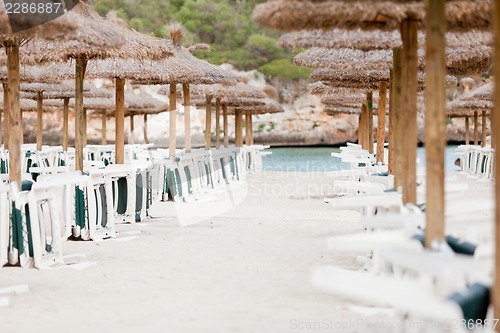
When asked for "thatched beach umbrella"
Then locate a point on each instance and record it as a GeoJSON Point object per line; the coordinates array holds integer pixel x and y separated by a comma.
{"type": "Point", "coordinates": [373, 39]}
{"type": "Point", "coordinates": [131, 45]}
{"type": "Point", "coordinates": [219, 92]}
{"type": "Point", "coordinates": [60, 28]}
{"type": "Point", "coordinates": [389, 15]}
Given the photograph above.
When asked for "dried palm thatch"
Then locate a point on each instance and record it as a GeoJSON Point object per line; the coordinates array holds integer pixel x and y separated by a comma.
{"type": "Point", "coordinates": [43, 87]}
{"type": "Point", "coordinates": [29, 105]}
{"type": "Point", "coordinates": [35, 74]}
{"type": "Point", "coordinates": [269, 106]}
{"type": "Point", "coordinates": [221, 91]}
{"type": "Point", "coordinates": [364, 79]}
{"type": "Point", "coordinates": [98, 38]}
{"type": "Point", "coordinates": [66, 90]}
{"type": "Point", "coordinates": [459, 61]}
{"type": "Point", "coordinates": [290, 15]}
{"type": "Point", "coordinates": [373, 40]}
{"type": "Point", "coordinates": [333, 110]}
{"type": "Point", "coordinates": [319, 89]}
{"type": "Point", "coordinates": [462, 108]}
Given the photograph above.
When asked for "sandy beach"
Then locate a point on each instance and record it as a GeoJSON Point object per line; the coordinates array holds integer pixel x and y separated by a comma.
{"type": "Point", "coordinates": [245, 270]}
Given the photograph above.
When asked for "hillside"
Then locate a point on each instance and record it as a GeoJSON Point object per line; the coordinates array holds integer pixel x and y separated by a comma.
{"type": "Point", "coordinates": [226, 25]}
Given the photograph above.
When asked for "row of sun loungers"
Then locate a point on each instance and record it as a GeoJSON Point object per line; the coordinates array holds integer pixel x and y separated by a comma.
{"type": "Point", "coordinates": [54, 204]}
{"type": "Point", "coordinates": [446, 289]}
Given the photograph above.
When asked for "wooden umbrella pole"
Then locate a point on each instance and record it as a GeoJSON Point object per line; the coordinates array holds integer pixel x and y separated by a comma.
{"type": "Point", "coordinates": [467, 134]}
{"type": "Point", "coordinates": [208, 122]}
{"type": "Point", "coordinates": [13, 87]}
{"type": "Point", "coordinates": [145, 129]}
{"type": "Point", "coordinates": [172, 135]}
{"type": "Point", "coordinates": [409, 101]}
{"type": "Point", "coordinates": [398, 132]}
{"type": "Point", "coordinates": [483, 129]}
{"type": "Point", "coordinates": [360, 128]}
{"type": "Point", "coordinates": [390, 159]}
{"type": "Point", "coordinates": [1, 128]}
{"type": "Point", "coordinates": [39, 120]}
{"type": "Point", "coordinates": [104, 138]}
{"type": "Point", "coordinates": [226, 126]}
{"type": "Point", "coordinates": [435, 120]}
{"type": "Point", "coordinates": [250, 126]}
{"type": "Point", "coordinates": [492, 132]}
{"type": "Point", "coordinates": [85, 127]}
{"type": "Point", "coordinates": [187, 118]}
{"type": "Point", "coordinates": [132, 128]}
{"type": "Point", "coordinates": [247, 127]}
{"type": "Point", "coordinates": [6, 117]}
{"type": "Point", "coordinates": [239, 128]}
{"type": "Point", "coordinates": [364, 126]}
{"type": "Point", "coordinates": [495, 294]}
{"type": "Point", "coordinates": [369, 108]}
{"type": "Point", "coordinates": [81, 64]}
{"type": "Point", "coordinates": [382, 92]}
{"type": "Point", "coordinates": [120, 121]}
{"type": "Point", "coordinates": [65, 123]}
{"type": "Point", "coordinates": [217, 122]}
{"type": "Point", "coordinates": [476, 128]}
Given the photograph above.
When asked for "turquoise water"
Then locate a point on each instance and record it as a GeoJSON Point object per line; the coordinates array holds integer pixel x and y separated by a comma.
{"type": "Point", "coordinates": [316, 159]}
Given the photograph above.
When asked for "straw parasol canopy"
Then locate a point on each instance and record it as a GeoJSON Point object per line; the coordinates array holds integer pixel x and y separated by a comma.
{"type": "Point", "coordinates": [319, 88]}
{"type": "Point", "coordinates": [269, 106]}
{"type": "Point", "coordinates": [220, 91]}
{"type": "Point", "coordinates": [288, 15]}
{"type": "Point", "coordinates": [463, 108]}
{"type": "Point", "coordinates": [459, 61]}
{"type": "Point", "coordinates": [364, 79]}
{"type": "Point", "coordinates": [98, 38]}
{"type": "Point", "coordinates": [373, 39]}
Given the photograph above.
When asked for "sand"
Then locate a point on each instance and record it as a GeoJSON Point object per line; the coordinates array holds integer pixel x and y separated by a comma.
{"type": "Point", "coordinates": [246, 269]}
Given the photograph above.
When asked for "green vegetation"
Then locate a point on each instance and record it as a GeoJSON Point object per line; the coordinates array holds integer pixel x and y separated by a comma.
{"type": "Point", "coordinates": [226, 25]}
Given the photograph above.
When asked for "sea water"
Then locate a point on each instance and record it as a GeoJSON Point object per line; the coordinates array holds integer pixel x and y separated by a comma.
{"type": "Point", "coordinates": [317, 159]}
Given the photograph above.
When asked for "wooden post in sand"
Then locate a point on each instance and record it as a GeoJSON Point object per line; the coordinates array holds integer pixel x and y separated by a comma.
{"type": "Point", "coordinates": [369, 110]}
{"type": "Point", "coordinates": [476, 128]}
{"type": "Point", "coordinates": [172, 120]}
{"type": "Point", "coordinates": [495, 294]}
{"type": "Point", "coordinates": [187, 117]}
{"type": "Point", "coordinates": [226, 126]}
{"type": "Point", "coordinates": [483, 129]}
{"type": "Point", "coordinates": [382, 93]}
{"type": "Point", "coordinates": [248, 129]}
{"type": "Point", "coordinates": [467, 133]}
{"type": "Point", "coordinates": [145, 129]}
{"type": "Point", "coordinates": [132, 129]}
{"type": "Point", "coordinates": [390, 158]}
{"type": "Point", "coordinates": [435, 119]}
{"type": "Point", "coordinates": [39, 120]}
{"type": "Point", "coordinates": [208, 122]}
{"type": "Point", "coordinates": [81, 64]}
{"type": "Point", "coordinates": [238, 128]}
{"type": "Point", "coordinates": [409, 88]}
{"type": "Point", "coordinates": [104, 139]}
{"type": "Point", "coordinates": [362, 135]}
{"type": "Point", "coordinates": [65, 124]}
{"type": "Point", "coordinates": [84, 127]}
{"type": "Point", "coordinates": [217, 122]}
{"type": "Point", "coordinates": [398, 117]}
{"type": "Point", "coordinates": [6, 116]}
{"type": "Point", "coordinates": [12, 50]}
{"type": "Point", "coordinates": [120, 121]}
